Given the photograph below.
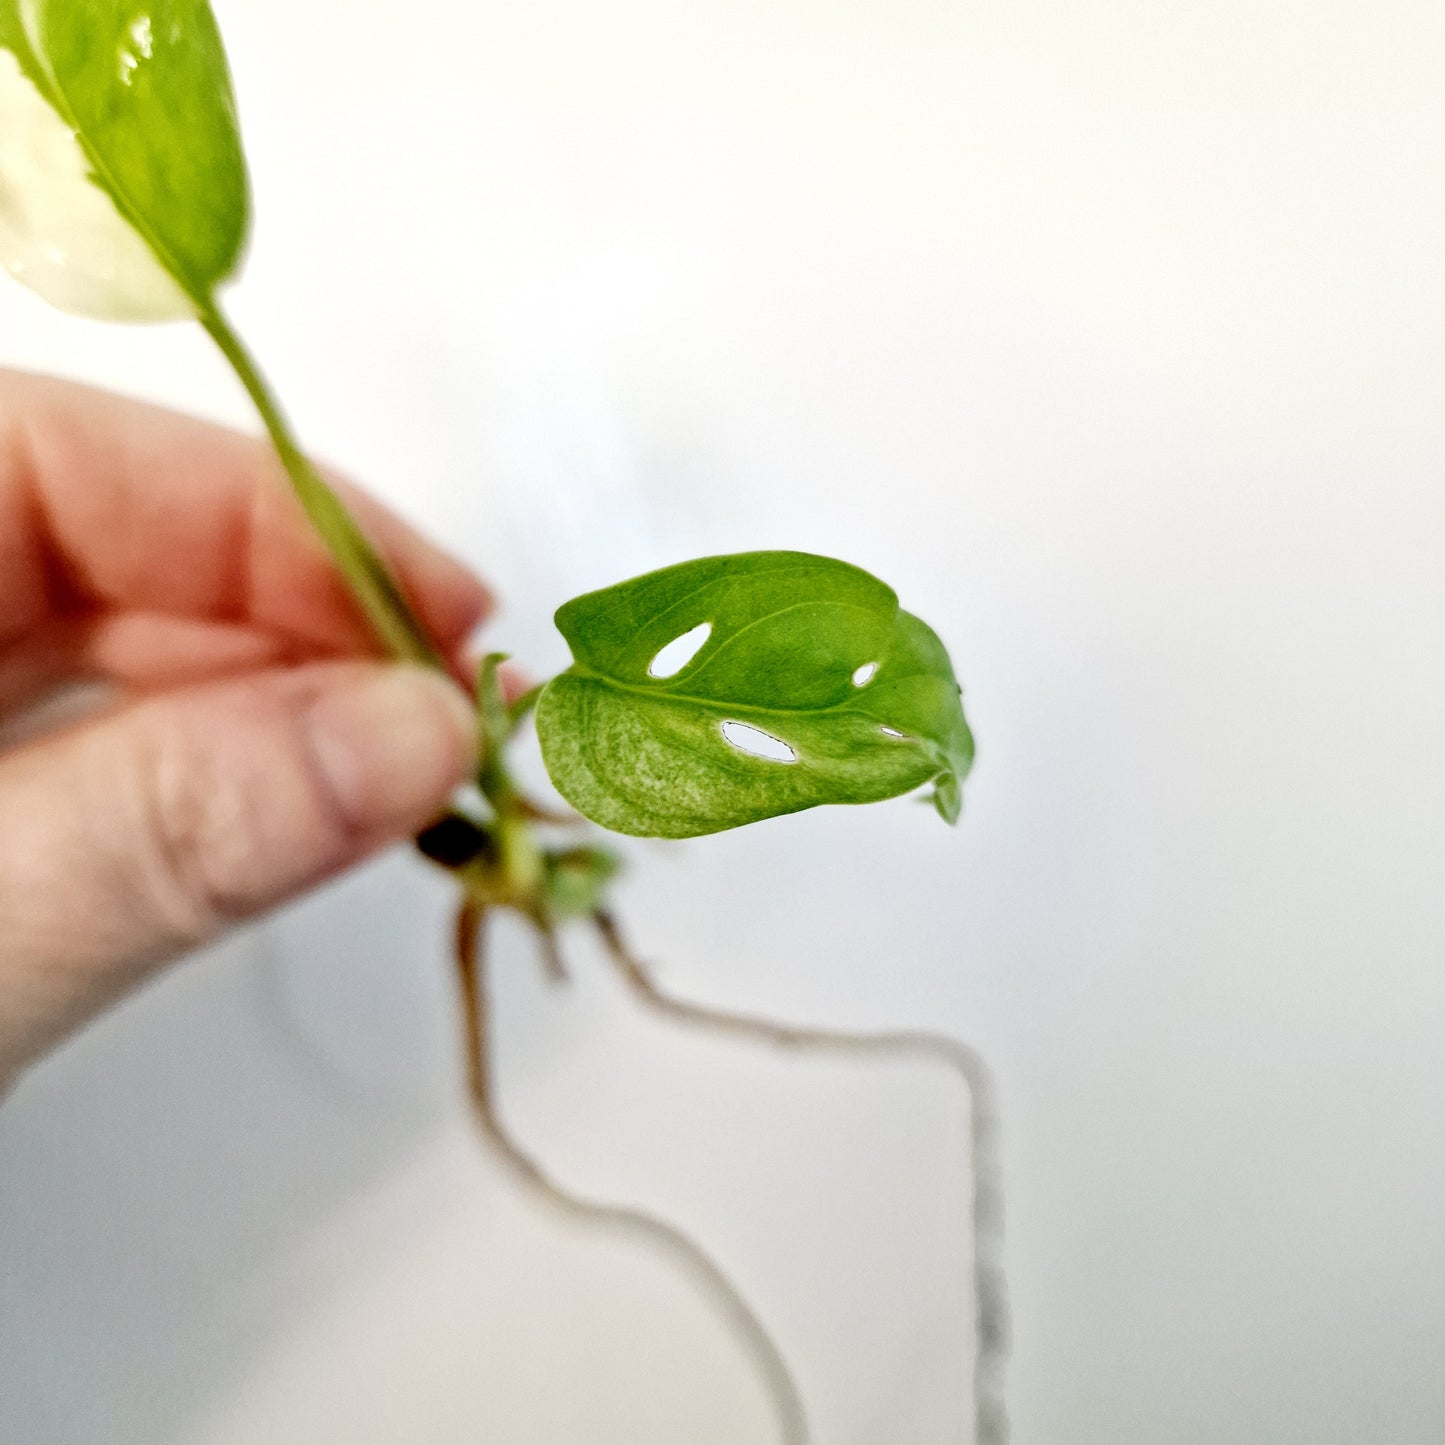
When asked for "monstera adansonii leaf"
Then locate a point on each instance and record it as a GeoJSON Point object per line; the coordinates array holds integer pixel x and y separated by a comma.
{"type": "Point", "coordinates": [123, 189]}
{"type": "Point", "coordinates": [811, 686]}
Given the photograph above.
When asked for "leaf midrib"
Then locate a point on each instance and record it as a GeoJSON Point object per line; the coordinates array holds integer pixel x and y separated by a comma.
{"type": "Point", "coordinates": [657, 694]}
{"type": "Point", "coordinates": [105, 178]}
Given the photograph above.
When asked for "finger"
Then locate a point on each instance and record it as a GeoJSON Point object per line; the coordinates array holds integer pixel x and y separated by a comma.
{"type": "Point", "coordinates": [135, 651]}
{"type": "Point", "coordinates": [135, 836]}
{"type": "Point", "coordinates": [108, 504]}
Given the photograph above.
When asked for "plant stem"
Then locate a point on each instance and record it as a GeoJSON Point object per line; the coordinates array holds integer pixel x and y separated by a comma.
{"type": "Point", "coordinates": [374, 588]}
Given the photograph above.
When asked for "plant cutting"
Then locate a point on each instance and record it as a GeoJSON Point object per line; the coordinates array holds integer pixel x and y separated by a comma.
{"type": "Point", "coordinates": [716, 693]}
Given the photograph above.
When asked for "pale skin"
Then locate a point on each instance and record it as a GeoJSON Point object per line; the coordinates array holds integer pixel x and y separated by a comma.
{"type": "Point", "coordinates": [249, 742]}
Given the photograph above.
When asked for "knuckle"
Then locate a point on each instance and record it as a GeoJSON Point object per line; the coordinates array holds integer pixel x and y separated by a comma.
{"type": "Point", "coordinates": [177, 826]}
{"type": "Point", "coordinates": [220, 813]}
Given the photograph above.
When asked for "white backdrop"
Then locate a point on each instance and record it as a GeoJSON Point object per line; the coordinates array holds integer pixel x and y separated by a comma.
{"type": "Point", "coordinates": [1113, 335]}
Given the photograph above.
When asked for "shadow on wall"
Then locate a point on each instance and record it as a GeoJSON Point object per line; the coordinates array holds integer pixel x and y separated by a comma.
{"type": "Point", "coordinates": [184, 1148]}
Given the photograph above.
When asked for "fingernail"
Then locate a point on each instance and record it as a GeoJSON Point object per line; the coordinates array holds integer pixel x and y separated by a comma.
{"type": "Point", "coordinates": [391, 744]}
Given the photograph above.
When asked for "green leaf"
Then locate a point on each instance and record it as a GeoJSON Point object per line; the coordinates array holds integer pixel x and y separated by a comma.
{"type": "Point", "coordinates": [576, 881]}
{"type": "Point", "coordinates": [14, 39]}
{"type": "Point", "coordinates": [810, 654]}
{"type": "Point", "coordinates": [143, 90]}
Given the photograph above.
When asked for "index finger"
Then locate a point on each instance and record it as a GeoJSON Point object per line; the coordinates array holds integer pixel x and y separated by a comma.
{"type": "Point", "coordinates": [110, 505]}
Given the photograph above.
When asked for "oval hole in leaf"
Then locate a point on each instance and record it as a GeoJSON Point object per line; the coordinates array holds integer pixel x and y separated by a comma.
{"type": "Point", "coordinates": [864, 675]}
{"type": "Point", "coordinates": [891, 732]}
{"type": "Point", "coordinates": [758, 744]}
{"type": "Point", "coordinates": [679, 652]}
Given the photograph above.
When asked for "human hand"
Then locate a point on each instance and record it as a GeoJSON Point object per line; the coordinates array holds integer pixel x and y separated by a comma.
{"type": "Point", "coordinates": [250, 743]}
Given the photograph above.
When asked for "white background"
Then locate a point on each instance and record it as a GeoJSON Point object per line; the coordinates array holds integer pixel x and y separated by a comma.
{"type": "Point", "coordinates": [1111, 334]}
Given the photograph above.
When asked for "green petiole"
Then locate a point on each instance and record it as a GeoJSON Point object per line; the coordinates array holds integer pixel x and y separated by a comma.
{"type": "Point", "coordinates": [376, 591]}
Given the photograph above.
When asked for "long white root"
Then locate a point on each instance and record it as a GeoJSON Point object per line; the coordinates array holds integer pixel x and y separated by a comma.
{"type": "Point", "coordinates": [708, 1275]}
{"type": "Point", "coordinates": [990, 1423]}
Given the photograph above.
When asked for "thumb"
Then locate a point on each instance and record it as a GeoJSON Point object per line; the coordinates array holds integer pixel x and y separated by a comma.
{"type": "Point", "coordinates": [140, 834]}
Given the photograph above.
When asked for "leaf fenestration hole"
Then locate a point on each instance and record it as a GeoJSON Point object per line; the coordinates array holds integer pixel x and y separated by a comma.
{"type": "Point", "coordinates": [889, 732]}
{"type": "Point", "coordinates": [679, 652]}
{"type": "Point", "coordinates": [758, 744]}
{"type": "Point", "coordinates": [864, 675]}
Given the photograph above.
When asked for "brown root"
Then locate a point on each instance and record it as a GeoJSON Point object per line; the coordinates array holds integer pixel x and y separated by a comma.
{"type": "Point", "coordinates": [709, 1276]}
{"type": "Point", "coordinates": [991, 1425]}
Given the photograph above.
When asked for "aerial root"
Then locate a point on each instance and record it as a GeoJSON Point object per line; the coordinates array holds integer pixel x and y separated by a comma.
{"type": "Point", "coordinates": [991, 1310]}
{"type": "Point", "coordinates": [715, 1285]}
